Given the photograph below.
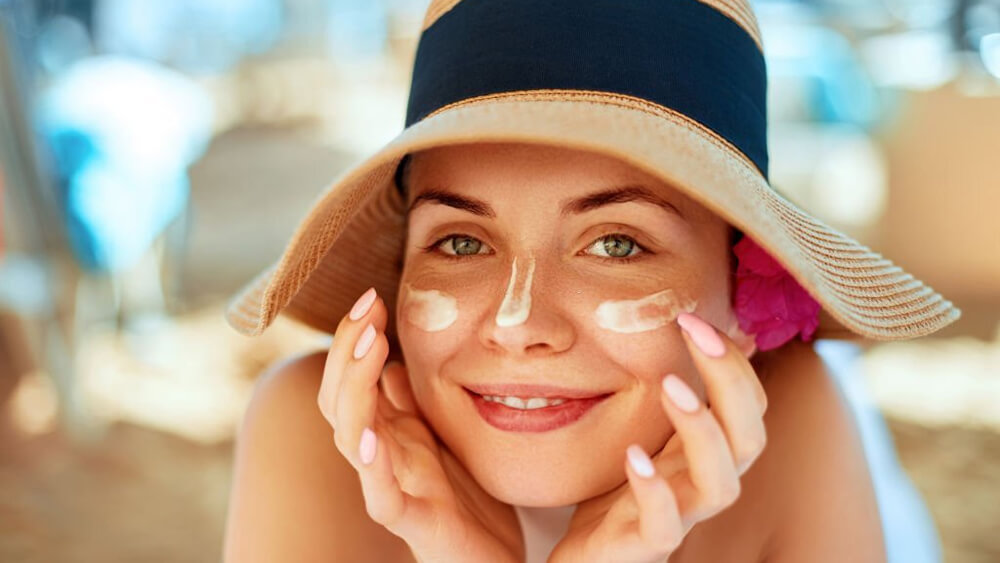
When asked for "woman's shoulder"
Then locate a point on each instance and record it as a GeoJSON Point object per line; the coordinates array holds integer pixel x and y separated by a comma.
{"type": "Point", "coordinates": [294, 497]}
{"type": "Point", "coordinates": [811, 485]}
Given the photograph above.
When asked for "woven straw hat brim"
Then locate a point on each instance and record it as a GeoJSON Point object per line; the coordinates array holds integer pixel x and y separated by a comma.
{"type": "Point", "coordinates": [352, 238]}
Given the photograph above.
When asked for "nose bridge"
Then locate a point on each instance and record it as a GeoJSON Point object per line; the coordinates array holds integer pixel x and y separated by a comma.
{"type": "Point", "coordinates": [521, 321]}
{"type": "Point", "coordinates": [516, 304]}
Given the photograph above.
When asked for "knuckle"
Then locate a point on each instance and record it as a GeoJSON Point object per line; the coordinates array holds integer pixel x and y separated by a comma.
{"type": "Point", "coordinates": [324, 408]}
{"type": "Point", "coordinates": [381, 345]}
{"type": "Point", "coordinates": [761, 398]}
{"type": "Point", "coordinates": [752, 446]}
{"type": "Point", "coordinates": [674, 540]}
{"type": "Point", "coordinates": [731, 492]}
{"type": "Point", "coordinates": [340, 326]}
{"type": "Point", "coordinates": [662, 543]}
{"type": "Point", "coordinates": [380, 514]}
{"type": "Point", "coordinates": [375, 513]}
{"type": "Point", "coordinates": [338, 440]}
{"type": "Point", "coordinates": [725, 495]}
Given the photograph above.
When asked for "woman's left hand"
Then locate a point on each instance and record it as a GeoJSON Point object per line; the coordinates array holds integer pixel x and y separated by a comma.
{"type": "Point", "coordinates": [695, 476]}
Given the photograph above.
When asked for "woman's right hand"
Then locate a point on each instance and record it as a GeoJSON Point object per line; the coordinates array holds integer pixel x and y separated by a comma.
{"type": "Point", "coordinates": [412, 484]}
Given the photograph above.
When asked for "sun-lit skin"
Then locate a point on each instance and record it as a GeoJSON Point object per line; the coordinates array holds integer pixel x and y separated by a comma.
{"type": "Point", "coordinates": [646, 313]}
{"type": "Point", "coordinates": [429, 309]}
{"type": "Point", "coordinates": [561, 341]}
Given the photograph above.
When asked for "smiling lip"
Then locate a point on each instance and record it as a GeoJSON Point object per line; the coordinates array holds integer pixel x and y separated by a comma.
{"type": "Point", "coordinates": [542, 419]}
{"type": "Point", "coordinates": [526, 391]}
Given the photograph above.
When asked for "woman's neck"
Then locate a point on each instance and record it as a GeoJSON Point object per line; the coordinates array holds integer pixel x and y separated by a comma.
{"type": "Point", "coordinates": [543, 527]}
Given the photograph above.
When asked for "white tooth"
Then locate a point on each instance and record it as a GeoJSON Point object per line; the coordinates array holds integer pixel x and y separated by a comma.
{"type": "Point", "coordinates": [515, 402]}
{"type": "Point", "coordinates": [524, 404]}
{"type": "Point", "coordinates": [536, 403]}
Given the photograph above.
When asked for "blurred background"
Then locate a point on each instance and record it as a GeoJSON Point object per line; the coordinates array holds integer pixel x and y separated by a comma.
{"type": "Point", "coordinates": [155, 155]}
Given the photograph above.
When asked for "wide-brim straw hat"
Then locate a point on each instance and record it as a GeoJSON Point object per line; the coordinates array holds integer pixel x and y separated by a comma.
{"type": "Point", "coordinates": [676, 88]}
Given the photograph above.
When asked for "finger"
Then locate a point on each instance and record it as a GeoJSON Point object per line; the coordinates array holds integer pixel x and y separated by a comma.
{"type": "Point", "coordinates": [384, 499]}
{"type": "Point", "coordinates": [660, 525]}
{"type": "Point", "coordinates": [396, 384]}
{"type": "Point", "coordinates": [341, 347]}
{"type": "Point", "coordinates": [711, 349]}
{"type": "Point", "coordinates": [711, 468]}
{"type": "Point", "coordinates": [735, 396]}
{"type": "Point", "coordinates": [357, 397]}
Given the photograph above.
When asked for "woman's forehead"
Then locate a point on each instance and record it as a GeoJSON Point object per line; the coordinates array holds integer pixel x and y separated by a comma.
{"type": "Point", "coordinates": [492, 170]}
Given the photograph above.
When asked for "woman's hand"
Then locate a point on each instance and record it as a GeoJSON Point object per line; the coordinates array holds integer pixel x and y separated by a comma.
{"type": "Point", "coordinates": [697, 473]}
{"type": "Point", "coordinates": [412, 484]}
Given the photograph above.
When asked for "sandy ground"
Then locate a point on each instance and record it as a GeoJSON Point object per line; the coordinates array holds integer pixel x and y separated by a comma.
{"type": "Point", "coordinates": [142, 495]}
{"type": "Point", "coordinates": [139, 495]}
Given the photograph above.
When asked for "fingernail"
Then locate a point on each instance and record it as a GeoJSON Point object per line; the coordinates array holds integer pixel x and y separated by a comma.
{"type": "Point", "coordinates": [639, 461]}
{"type": "Point", "coordinates": [704, 335]}
{"type": "Point", "coordinates": [363, 304]}
{"type": "Point", "coordinates": [364, 342]}
{"type": "Point", "coordinates": [367, 448]}
{"type": "Point", "coordinates": [680, 393]}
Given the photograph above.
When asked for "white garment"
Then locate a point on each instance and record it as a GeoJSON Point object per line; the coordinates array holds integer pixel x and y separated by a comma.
{"type": "Point", "coordinates": [910, 535]}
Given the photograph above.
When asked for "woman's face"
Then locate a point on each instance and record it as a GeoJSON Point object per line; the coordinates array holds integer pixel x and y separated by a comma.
{"type": "Point", "coordinates": [533, 264]}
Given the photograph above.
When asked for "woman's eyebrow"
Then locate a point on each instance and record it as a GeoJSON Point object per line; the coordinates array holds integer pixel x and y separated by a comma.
{"type": "Point", "coordinates": [576, 206]}
{"type": "Point", "coordinates": [451, 199]}
{"type": "Point", "coordinates": [622, 194]}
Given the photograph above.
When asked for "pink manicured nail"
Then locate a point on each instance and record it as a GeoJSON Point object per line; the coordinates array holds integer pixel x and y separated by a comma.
{"type": "Point", "coordinates": [680, 393]}
{"type": "Point", "coordinates": [703, 334]}
{"type": "Point", "coordinates": [363, 304]}
{"type": "Point", "coordinates": [364, 342]}
{"type": "Point", "coordinates": [639, 461]}
{"type": "Point", "coordinates": [367, 446]}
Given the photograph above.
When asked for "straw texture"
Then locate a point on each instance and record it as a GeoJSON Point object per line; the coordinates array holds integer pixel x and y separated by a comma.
{"type": "Point", "coordinates": [353, 236]}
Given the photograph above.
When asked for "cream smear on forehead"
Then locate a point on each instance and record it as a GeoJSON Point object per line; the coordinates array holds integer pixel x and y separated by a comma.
{"type": "Point", "coordinates": [430, 310]}
{"type": "Point", "coordinates": [647, 313]}
{"type": "Point", "coordinates": [516, 305]}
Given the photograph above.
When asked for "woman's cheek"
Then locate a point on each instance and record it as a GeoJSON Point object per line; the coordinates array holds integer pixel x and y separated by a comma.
{"type": "Point", "coordinates": [436, 320]}
{"type": "Point", "coordinates": [653, 311]}
{"type": "Point", "coordinates": [641, 335]}
{"type": "Point", "coordinates": [430, 310]}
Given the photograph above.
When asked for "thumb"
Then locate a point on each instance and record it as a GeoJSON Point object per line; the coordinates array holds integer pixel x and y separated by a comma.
{"type": "Point", "coordinates": [396, 383]}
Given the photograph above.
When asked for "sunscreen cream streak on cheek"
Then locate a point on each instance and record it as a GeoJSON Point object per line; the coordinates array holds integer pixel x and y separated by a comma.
{"type": "Point", "coordinates": [516, 305]}
{"type": "Point", "coordinates": [639, 315]}
{"type": "Point", "coordinates": [429, 310]}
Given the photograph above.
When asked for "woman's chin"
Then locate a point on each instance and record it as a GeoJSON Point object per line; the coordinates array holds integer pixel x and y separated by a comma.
{"type": "Point", "coordinates": [543, 484]}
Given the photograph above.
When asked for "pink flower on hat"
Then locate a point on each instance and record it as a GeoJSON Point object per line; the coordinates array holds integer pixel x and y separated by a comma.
{"type": "Point", "coordinates": [769, 303]}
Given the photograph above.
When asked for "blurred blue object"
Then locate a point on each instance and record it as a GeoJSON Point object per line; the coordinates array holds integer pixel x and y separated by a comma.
{"type": "Point", "coordinates": [910, 534]}
{"type": "Point", "coordinates": [122, 133]}
{"type": "Point", "coordinates": [357, 29]}
{"type": "Point", "coordinates": [192, 35]}
{"type": "Point", "coordinates": [838, 87]}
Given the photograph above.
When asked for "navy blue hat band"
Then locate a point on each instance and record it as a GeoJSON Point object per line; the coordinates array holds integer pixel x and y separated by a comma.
{"type": "Point", "coordinates": [680, 54]}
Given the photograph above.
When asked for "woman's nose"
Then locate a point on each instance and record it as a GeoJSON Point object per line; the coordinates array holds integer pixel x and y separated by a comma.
{"type": "Point", "coordinates": [523, 320]}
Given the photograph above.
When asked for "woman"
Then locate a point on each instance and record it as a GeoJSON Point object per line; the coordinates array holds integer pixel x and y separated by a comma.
{"type": "Point", "coordinates": [589, 360]}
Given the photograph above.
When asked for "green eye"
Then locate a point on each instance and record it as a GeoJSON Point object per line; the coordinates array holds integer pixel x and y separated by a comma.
{"type": "Point", "coordinates": [456, 246]}
{"type": "Point", "coordinates": [618, 246]}
{"type": "Point", "coordinates": [464, 246]}
{"type": "Point", "coordinates": [615, 246]}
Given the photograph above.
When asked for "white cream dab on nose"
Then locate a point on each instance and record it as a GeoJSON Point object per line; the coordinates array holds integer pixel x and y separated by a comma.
{"type": "Point", "coordinates": [430, 310]}
{"type": "Point", "coordinates": [515, 307]}
{"type": "Point", "coordinates": [647, 313]}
